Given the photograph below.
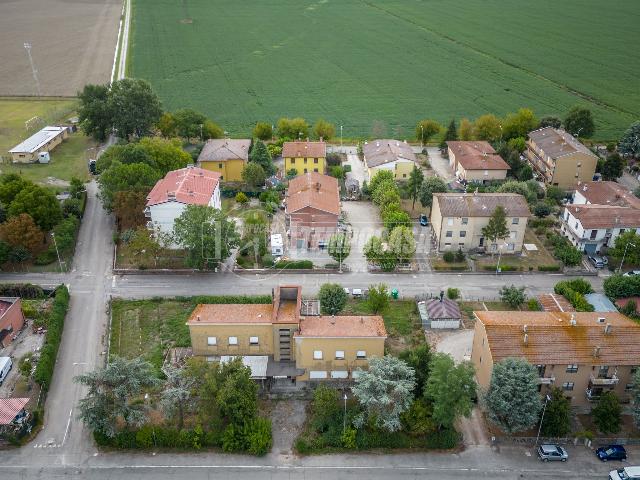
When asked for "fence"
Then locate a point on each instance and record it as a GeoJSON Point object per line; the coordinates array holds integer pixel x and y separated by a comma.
{"type": "Point", "coordinates": [597, 441]}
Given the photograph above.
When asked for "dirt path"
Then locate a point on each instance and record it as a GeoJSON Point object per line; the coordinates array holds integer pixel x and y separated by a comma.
{"type": "Point", "coordinates": [474, 430]}
{"type": "Point", "coordinates": [287, 419]}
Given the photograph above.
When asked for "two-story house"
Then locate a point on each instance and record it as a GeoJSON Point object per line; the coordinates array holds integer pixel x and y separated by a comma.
{"type": "Point", "coordinates": [476, 161]}
{"type": "Point", "coordinates": [559, 158]}
{"type": "Point", "coordinates": [226, 156]}
{"type": "Point", "coordinates": [312, 209]}
{"type": "Point", "coordinates": [179, 188]}
{"type": "Point", "coordinates": [305, 157]}
{"type": "Point", "coordinates": [583, 353]}
{"type": "Point", "coordinates": [277, 341]}
{"type": "Point", "coordinates": [389, 154]}
{"type": "Point", "coordinates": [457, 220]}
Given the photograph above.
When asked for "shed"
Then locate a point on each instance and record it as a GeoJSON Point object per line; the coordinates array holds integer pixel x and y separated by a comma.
{"type": "Point", "coordinates": [600, 302]}
{"type": "Point", "coordinates": [439, 314]}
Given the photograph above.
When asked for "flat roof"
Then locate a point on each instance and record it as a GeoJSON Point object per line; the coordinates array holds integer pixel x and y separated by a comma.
{"type": "Point", "coordinates": [37, 140]}
{"type": "Point", "coordinates": [342, 326]}
{"type": "Point", "coordinates": [257, 364]}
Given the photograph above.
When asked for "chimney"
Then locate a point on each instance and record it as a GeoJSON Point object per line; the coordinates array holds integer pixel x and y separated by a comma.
{"type": "Point", "coordinates": [524, 328]}
{"type": "Point", "coordinates": [318, 186]}
{"type": "Point", "coordinates": [601, 319]}
{"type": "Point", "coordinates": [362, 320]}
{"type": "Point", "coordinates": [441, 296]}
{"type": "Point", "coordinates": [584, 188]}
{"type": "Point", "coordinates": [607, 329]}
{"type": "Point", "coordinates": [333, 320]}
{"type": "Point", "coordinates": [596, 352]}
{"type": "Point", "coordinates": [572, 322]}
{"type": "Point", "coordinates": [526, 339]}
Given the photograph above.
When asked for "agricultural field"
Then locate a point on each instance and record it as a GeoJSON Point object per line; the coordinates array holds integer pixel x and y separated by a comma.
{"type": "Point", "coordinates": [72, 43]}
{"type": "Point", "coordinates": [377, 66]}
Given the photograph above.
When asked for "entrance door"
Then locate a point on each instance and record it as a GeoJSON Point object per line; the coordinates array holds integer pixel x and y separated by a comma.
{"type": "Point", "coordinates": [481, 242]}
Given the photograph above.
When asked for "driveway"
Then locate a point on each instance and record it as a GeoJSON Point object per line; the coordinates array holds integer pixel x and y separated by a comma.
{"type": "Point", "coordinates": [287, 418]}
{"type": "Point", "coordinates": [365, 222]}
{"type": "Point", "coordinates": [457, 343]}
{"type": "Point", "coordinates": [423, 246]}
{"type": "Point", "coordinates": [440, 165]}
{"type": "Point", "coordinates": [358, 169]}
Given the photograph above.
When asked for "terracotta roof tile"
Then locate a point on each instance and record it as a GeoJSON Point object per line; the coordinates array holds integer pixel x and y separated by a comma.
{"type": "Point", "coordinates": [608, 193]}
{"type": "Point", "coordinates": [386, 150]}
{"type": "Point", "coordinates": [313, 190]}
{"type": "Point", "coordinates": [477, 155]}
{"type": "Point", "coordinates": [219, 150]}
{"type": "Point", "coordinates": [304, 149]}
{"type": "Point", "coordinates": [481, 204]}
{"type": "Point", "coordinates": [552, 302]}
{"type": "Point", "coordinates": [191, 185]}
{"type": "Point", "coordinates": [207, 314]}
{"type": "Point", "coordinates": [9, 408]}
{"type": "Point", "coordinates": [342, 326]}
{"type": "Point", "coordinates": [605, 216]}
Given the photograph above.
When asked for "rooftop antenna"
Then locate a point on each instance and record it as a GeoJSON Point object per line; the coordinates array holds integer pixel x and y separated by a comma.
{"type": "Point", "coordinates": [27, 47]}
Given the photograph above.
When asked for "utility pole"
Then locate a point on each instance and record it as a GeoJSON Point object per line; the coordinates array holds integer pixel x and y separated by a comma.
{"type": "Point", "coordinates": [27, 47]}
{"type": "Point", "coordinates": [53, 235]}
{"type": "Point", "coordinates": [624, 255]}
{"type": "Point", "coordinates": [546, 400]}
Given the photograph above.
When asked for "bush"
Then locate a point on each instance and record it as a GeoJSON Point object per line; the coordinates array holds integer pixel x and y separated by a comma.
{"type": "Point", "coordinates": [258, 436]}
{"type": "Point", "coordinates": [573, 291]}
{"type": "Point", "coordinates": [453, 293]}
{"type": "Point", "coordinates": [45, 258]}
{"type": "Point", "coordinates": [23, 290]}
{"type": "Point", "coordinates": [460, 255]}
{"type": "Point", "coordinates": [295, 265]}
{"type": "Point", "coordinates": [301, 446]}
{"type": "Point", "coordinates": [443, 439]}
{"type": "Point", "coordinates": [241, 198]}
{"type": "Point", "coordinates": [349, 438]}
{"type": "Point", "coordinates": [145, 437]}
{"type": "Point", "coordinates": [533, 305]}
{"type": "Point", "coordinates": [617, 286]}
{"type": "Point", "coordinates": [449, 257]}
{"type": "Point", "coordinates": [503, 268]}
{"type": "Point", "coordinates": [548, 268]}
{"type": "Point", "coordinates": [332, 298]}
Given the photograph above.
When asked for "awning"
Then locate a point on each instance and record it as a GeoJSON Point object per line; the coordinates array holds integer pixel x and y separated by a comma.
{"type": "Point", "coordinates": [257, 364]}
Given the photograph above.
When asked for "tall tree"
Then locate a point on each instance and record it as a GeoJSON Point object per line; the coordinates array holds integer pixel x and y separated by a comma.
{"type": "Point", "coordinates": [113, 394]}
{"type": "Point", "coordinates": [487, 127]}
{"type": "Point", "coordinates": [512, 400]}
{"type": "Point", "coordinates": [451, 134]}
{"type": "Point", "coordinates": [557, 416]}
{"type": "Point", "coordinates": [292, 128]}
{"type": "Point", "coordinates": [136, 177]}
{"type": "Point", "coordinates": [38, 202]}
{"type": "Point", "coordinates": [253, 174]}
{"type": "Point", "coordinates": [381, 176]}
{"type": "Point", "coordinates": [176, 399]}
{"type": "Point", "coordinates": [496, 229]}
{"type": "Point", "coordinates": [613, 167]}
{"type": "Point", "coordinates": [519, 124]}
{"type": "Point", "coordinates": [416, 177]}
{"type": "Point", "coordinates": [629, 243]}
{"type": "Point", "coordinates": [339, 247]}
{"type": "Point", "coordinates": [167, 125]}
{"type": "Point", "coordinates": [192, 124]}
{"type": "Point", "coordinates": [207, 235]}
{"type": "Point", "coordinates": [378, 298]}
{"type": "Point", "coordinates": [630, 142]}
{"type": "Point", "coordinates": [262, 131]}
{"type": "Point", "coordinates": [635, 401]}
{"type": "Point", "coordinates": [513, 296]}
{"type": "Point", "coordinates": [418, 358]}
{"type": "Point", "coordinates": [466, 132]}
{"type": "Point", "coordinates": [237, 397]}
{"type": "Point", "coordinates": [550, 121]}
{"type": "Point", "coordinates": [94, 112]}
{"type": "Point", "coordinates": [425, 129]}
{"type": "Point", "coordinates": [260, 154]}
{"type": "Point", "coordinates": [607, 414]}
{"type": "Point", "coordinates": [332, 298]}
{"type": "Point", "coordinates": [10, 186]}
{"type": "Point", "coordinates": [134, 106]}
{"type": "Point", "coordinates": [384, 392]}
{"type": "Point", "coordinates": [126, 209]}
{"type": "Point", "coordinates": [324, 130]}
{"type": "Point", "coordinates": [144, 248]}
{"type": "Point", "coordinates": [431, 185]}
{"type": "Point", "coordinates": [22, 231]}
{"type": "Point", "coordinates": [579, 122]}
{"type": "Point", "coordinates": [451, 388]}
{"type": "Point", "coordinates": [402, 244]}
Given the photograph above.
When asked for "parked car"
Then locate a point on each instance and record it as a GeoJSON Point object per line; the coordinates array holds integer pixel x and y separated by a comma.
{"type": "Point", "coordinates": [605, 260]}
{"type": "Point", "coordinates": [611, 452]}
{"type": "Point", "coordinates": [597, 261]}
{"type": "Point", "coordinates": [424, 220]}
{"type": "Point", "coordinates": [626, 473]}
{"type": "Point", "coordinates": [6, 364]}
{"type": "Point", "coordinates": [549, 452]}
{"type": "Point", "coordinates": [631, 273]}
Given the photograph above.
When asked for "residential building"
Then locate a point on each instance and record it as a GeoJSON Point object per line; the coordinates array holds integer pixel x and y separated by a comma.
{"type": "Point", "coordinates": [604, 193]}
{"type": "Point", "coordinates": [305, 157]}
{"type": "Point", "coordinates": [312, 210]}
{"type": "Point", "coordinates": [476, 161]}
{"type": "Point", "coordinates": [40, 142]}
{"type": "Point", "coordinates": [11, 319]}
{"type": "Point", "coordinates": [281, 343]}
{"type": "Point", "coordinates": [389, 154]}
{"type": "Point", "coordinates": [179, 188]}
{"type": "Point", "coordinates": [591, 227]}
{"type": "Point", "coordinates": [559, 159]}
{"type": "Point", "coordinates": [457, 220]}
{"type": "Point", "coordinates": [583, 353]}
{"type": "Point", "coordinates": [226, 156]}
{"type": "Point", "coordinates": [12, 414]}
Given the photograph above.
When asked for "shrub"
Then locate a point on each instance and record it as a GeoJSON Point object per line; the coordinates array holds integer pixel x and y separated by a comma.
{"type": "Point", "coordinates": [617, 286]}
{"type": "Point", "coordinates": [453, 293]}
{"type": "Point", "coordinates": [449, 257]}
{"type": "Point", "coordinates": [295, 265]}
{"type": "Point", "coordinates": [443, 439]}
{"type": "Point", "coordinates": [503, 268]}
{"type": "Point", "coordinates": [301, 446]}
{"type": "Point", "coordinates": [23, 290]}
{"type": "Point", "coordinates": [241, 198]}
{"type": "Point", "coordinates": [258, 436]}
{"type": "Point", "coordinates": [548, 268]}
{"type": "Point", "coordinates": [46, 257]}
{"type": "Point", "coordinates": [145, 437]}
{"type": "Point", "coordinates": [332, 298]}
{"type": "Point", "coordinates": [232, 439]}
{"type": "Point", "coordinates": [533, 305]}
{"type": "Point", "coordinates": [630, 309]}
{"type": "Point", "coordinates": [573, 291]}
{"type": "Point", "coordinates": [349, 438]}
{"type": "Point", "coordinates": [460, 255]}
{"type": "Point", "coordinates": [580, 285]}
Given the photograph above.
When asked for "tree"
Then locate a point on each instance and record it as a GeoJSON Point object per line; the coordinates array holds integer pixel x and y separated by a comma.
{"type": "Point", "coordinates": [136, 177]}
{"type": "Point", "coordinates": [254, 234]}
{"type": "Point", "coordinates": [5, 252]}
{"type": "Point", "coordinates": [384, 392]}
{"type": "Point", "coordinates": [94, 113]}
{"type": "Point", "coordinates": [192, 124]}
{"type": "Point", "coordinates": [519, 124]}
{"type": "Point", "coordinates": [65, 233]}
{"type": "Point", "coordinates": [430, 186]}
{"type": "Point", "coordinates": [513, 296]}
{"type": "Point", "coordinates": [113, 394]}
{"type": "Point", "coordinates": [237, 397]}
{"type": "Point", "coordinates": [427, 129]}
{"type": "Point", "coordinates": [541, 209]}
{"type": "Point", "coordinates": [635, 401]}
{"type": "Point", "coordinates": [394, 217]}
{"type": "Point", "coordinates": [487, 127]}
{"type": "Point", "coordinates": [451, 388]}
{"type": "Point", "coordinates": [385, 194]}
{"type": "Point", "coordinates": [292, 128]}
{"type": "Point", "coordinates": [260, 155]}
{"type": "Point", "coordinates": [416, 178]}
{"type": "Point", "coordinates": [325, 406]}
{"type": "Point", "coordinates": [628, 241]}
{"type": "Point", "coordinates": [338, 172]}
{"type": "Point", "coordinates": [418, 358]}
{"type": "Point", "coordinates": [378, 298]}
{"type": "Point", "coordinates": [496, 229]}
{"type": "Point", "coordinates": [381, 176]}
{"type": "Point", "coordinates": [402, 243]}
{"type": "Point", "coordinates": [450, 135]}
{"type": "Point", "coordinates": [607, 414]}
{"type": "Point", "coordinates": [339, 247]}
{"type": "Point", "coordinates": [519, 144]}
{"type": "Point", "coordinates": [579, 122]}
{"type": "Point", "coordinates": [253, 174]}
{"type": "Point", "coordinates": [176, 399]}
{"type": "Point", "coordinates": [466, 130]}
{"type": "Point", "coordinates": [126, 209]}
{"type": "Point", "coordinates": [144, 247]}
{"type": "Point", "coordinates": [550, 121]}
{"type": "Point", "coordinates": [38, 202]}
{"type": "Point", "coordinates": [557, 415]}
{"type": "Point", "coordinates": [134, 107]}
{"type": "Point", "coordinates": [512, 401]}
{"type": "Point", "coordinates": [263, 131]}
{"type": "Point", "coordinates": [167, 125]}
{"type": "Point", "coordinates": [324, 130]}
{"type": "Point", "coordinates": [630, 141]}
{"type": "Point", "coordinates": [211, 130]}
{"type": "Point", "coordinates": [22, 231]}
{"type": "Point", "coordinates": [332, 298]}
{"type": "Point", "coordinates": [165, 155]}
{"type": "Point", "coordinates": [613, 167]}
{"type": "Point", "coordinates": [241, 198]}
{"type": "Point", "coordinates": [207, 235]}
{"type": "Point", "coordinates": [10, 186]}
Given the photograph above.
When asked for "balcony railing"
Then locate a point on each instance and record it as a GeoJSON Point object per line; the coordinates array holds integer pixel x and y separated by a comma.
{"type": "Point", "coordinates": [546, 380]}
{"type": "Point", "coordinates": [604, 381]}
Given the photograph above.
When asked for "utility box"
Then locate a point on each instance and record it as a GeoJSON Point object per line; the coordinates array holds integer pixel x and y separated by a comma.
{"type": "Point", "coordinates": [277, 249]}
{"type": "Point", "coordinates": [44, 157]}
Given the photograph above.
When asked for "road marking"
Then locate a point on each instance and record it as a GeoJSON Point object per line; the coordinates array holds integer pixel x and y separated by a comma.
{"type": "Point", "coordinates": [113, 281]}
{"type": "Point", "coordinates": [66, 431]}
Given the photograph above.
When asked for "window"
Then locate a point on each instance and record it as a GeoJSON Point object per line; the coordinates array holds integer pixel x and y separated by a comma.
{"type": "Point", "coordinates": [233, 340]}
{"type": "Point", "coordinates": [515, 221]}
{"type": "Point", "coordinates": [404, 175]}
{"type": "Point", "coordinates": [317, 354]}
{"type": "Point", "coordinates": [314, 375]}
{"type": "Point", "coordinates": [219, 165]}
{"type": "Point", "coordinates": [339, 374]}
{"type": "Point", "coordinates": [447, 245]}
{"type": "Point", "coordinates": [567, 386]}
{"type": "Point", "coordinates": [339, 354]}
{"type": "Point", "coordinates": [449, 221]}
{"type": "Point", "coordinates": [511, 247]}
{"type": "Point", "coordinates": [361, 354]}
{"type": "Point", "coordinates": [355, 374]}
{"type": "Point", "coordinates": [211, 341]}
{"type": "Point", "coordinates": [461, 244]}
{"type": "Point", "coordinates": [449, 233]}
{"type": "Point", "coordinates": [305, 161]}
{"type": "Point", "coordinates": [463, 233]}
{"type": "Point", "coordinates": [576, 225]}
{"type": "Point", "coordinates": [603, 371]}
{"type": "Point", "coordinates": [253, 340]}
{"type": "Point", "coordinates": [628, 387]}
{"type": "Point", "coordinates": [315, 160]}
{"type": "Point", "coordinates": [513, 235]}
{"type": "Point", "coordinates": [305, 170]}
{"type": "Point", "coordinates": [593, 234]}
{"type": "Point", "coordinates": [573, 368]}
{"type": "Point", "coordinates": [315, 170]}
{"type": "Point", "coordinates": [221, 177]}
{"type": "Point", "coordinates": [633, 370]}
{"type": "Point", "coordinates": [621, 231]}
{"type": "Point", "coordinates": [293, 160]}
{"type": "Point", "coordinates": [465, 221]}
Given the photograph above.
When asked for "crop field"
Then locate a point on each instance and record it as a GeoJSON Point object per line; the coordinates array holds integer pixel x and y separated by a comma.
{"type": "Point", "coordinates": [378, 66]}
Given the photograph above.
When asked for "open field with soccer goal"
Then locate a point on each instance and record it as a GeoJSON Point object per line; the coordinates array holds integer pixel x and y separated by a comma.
{"type": "Point", "coordinates": [378, 66]}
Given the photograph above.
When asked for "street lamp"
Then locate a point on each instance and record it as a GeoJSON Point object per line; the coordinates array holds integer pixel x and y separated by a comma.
{"type": "Point", "coordinates": [422, 135]}
{"type": "Point", "coordinates": [344, 418]}
{"type": "Point", "coordinates": [625, 254]}
{"type": "Point", "coordinates": [53, 235]}
{"type": "Point", "coordinates": [546, 400]}
{"type": "Point", "coordinates": [499, 256]}
{"type": "Point", "coordinates": [340, 137]}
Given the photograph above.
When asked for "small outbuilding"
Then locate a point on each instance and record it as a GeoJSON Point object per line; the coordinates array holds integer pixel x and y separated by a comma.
{"type": "Point", "coordinates": [600, 302]}
{"type": "Point", "coordinates": [439, 313]}
{"type": "Point", "coordinates": [41, 142]}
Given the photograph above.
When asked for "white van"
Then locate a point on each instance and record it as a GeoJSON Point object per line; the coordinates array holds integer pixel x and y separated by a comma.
{"type": "Point", "coordinates": [626, 473]}
{"type": "Point", "coordinates": [5, 368]}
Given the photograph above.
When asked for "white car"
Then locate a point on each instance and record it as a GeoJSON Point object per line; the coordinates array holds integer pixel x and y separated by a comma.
{"type": "Point", "coordinates": [631, 273]}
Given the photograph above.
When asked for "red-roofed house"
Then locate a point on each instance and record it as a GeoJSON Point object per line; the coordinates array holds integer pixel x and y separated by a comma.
{"type": "Point", "coordinates": [179, 188]}
{"type": "Point", "coordinates": [476, 161]}
{"type": "Point", "coordinates": [11, 319]}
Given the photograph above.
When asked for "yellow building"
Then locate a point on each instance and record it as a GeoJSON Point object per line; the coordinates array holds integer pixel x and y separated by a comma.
{"type": "Point", "coordinates": [276, 341]}
{"type": "Point", "coordinates": [388, 154]}
{"type": "Point", "coordinates": [226, 156]}
{"type": "Point", "coordinates": [39, 143]}
{"type": "Point", "coordinates": [305, 157]}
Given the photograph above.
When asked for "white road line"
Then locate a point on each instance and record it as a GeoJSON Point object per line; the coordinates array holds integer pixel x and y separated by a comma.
{"type": "Point", "coordinates": [66, 431]}
{"type": "Point", "coordinates": [125, 41]}
{"type": "Point", "coordinates": [115, 55]}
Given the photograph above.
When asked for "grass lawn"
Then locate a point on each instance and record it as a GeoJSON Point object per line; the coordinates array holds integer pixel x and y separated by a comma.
{"type": "Point", "coordinates": [525, 262]}
{"type": "Point", "coordinates": [476, 57]}
{"type": "Point", "coordinates": [167, 259]}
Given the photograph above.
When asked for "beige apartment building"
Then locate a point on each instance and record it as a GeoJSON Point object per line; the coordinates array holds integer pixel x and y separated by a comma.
{"type": "Point", "coordinates": [277, 342]}
{"type": "Point", "coordinates": [583, 353]}
{"type": "Point", "coordinates": [559, 158]}
{"type": "Point", "coordinates": [457, 220]}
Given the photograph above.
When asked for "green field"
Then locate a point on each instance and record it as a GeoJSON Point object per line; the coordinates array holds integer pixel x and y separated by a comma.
{"type": "Point", "coordinates": [378, 66]}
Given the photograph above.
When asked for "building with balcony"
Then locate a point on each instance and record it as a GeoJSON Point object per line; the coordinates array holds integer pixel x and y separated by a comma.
{"type": "Point", "coordinates": [583, 353]}
{"type": "Point", "coordinates": [476, 161]}
{"type": "Point", "coordinates": [389, 154]}
{"type": "Point", "coordinates": [560, 159]}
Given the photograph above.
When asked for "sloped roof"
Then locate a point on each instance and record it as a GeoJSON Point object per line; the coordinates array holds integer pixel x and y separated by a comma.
{"type": "Point", "coordinates": [221, 149]}
{"type": "Point", "coordinates": [342, 326]}
{"type": "Point", "coordinates": [304, 149]}
{"type": "Point", "coordinates": [386, 150]}
{"type": "Point", "coordinates": [604, 216]}
{"type": "Point", "coordinates": [37, 140]}
{"type": "Point", "coordinates": [9, 408]}
{"type": "Point", "coordinates": [608, 193]}
{"type": "Point", "coordinates": [191, 185]}
{"type": "Point", "coordinates": [552, 302]}
{"type": "Point", "coordinates": [477, 155]}
{"type": "Point", "coordinates": [481, 204]}
{"type": "Point", "coordinates": [557, 143]}
{"type": "Point", "coordinates": [551, 339]}
{"type": "Point", "coordinates": [313, 190]}
{"type": "Point", "coordinates": [442, 309]}
{"type": "Point", "coordinates": [600, 302]}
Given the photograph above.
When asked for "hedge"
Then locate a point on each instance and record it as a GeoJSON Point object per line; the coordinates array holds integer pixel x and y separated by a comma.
{"type": "Point", "coordinates": [295, 265]}
{"type": "Point", "coordinates": [455, 268]}
{"type": "Point", "coordinates": [503, 268]}
{"type": "Point", "coordinates": [222, 299]}
{"type": "Point", "coordinates": [55, 325]}
{"type": "Point", "coordinates": [23, 290]}
{"type": "Point", "coordinates": [548, 268]}
{"type": "Point", "coordinates": [573, 291]}
{"type": "Point", "coordinates": [617, 286]}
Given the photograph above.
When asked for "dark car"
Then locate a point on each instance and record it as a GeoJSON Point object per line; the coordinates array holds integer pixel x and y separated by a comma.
{"type": "Point", "coordinates": [611, 452]}
{"type": "Point", "coordinates": [424, 221]}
